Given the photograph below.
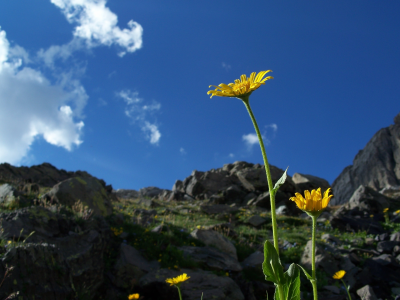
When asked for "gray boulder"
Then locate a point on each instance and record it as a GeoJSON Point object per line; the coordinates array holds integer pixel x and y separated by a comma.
{"type": "Point", "coordinates": [309, 182]}
{"type": "Point", "coordinates": [367, 293]}
{"type": "Point", "coordinates": [215, 239]}
{"type": "Point", "coordinates": [88, 190]}
{"type": "Point", "coordinates": [376, 166]}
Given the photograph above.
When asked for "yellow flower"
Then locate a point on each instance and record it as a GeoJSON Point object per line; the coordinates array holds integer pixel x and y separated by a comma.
{"type": "Point", "coordinates": [9, 242]}
{"type": "Point", "coordinates": [313, 203]}
{"type": "Point", "coordinates": [241, 88]}
{"type": "Point", "coordinates": [385, 210]}
{"type": "Point", "coordinates": [371, 216]}
{"type": "Point", "coordinates": [339, 274]}
{"type": "Point", "coordinates": [177, 280]}
{"type": "Point", "coordinates": [397, 212]}
{"type": "Point", "coordinates": [133, 296]}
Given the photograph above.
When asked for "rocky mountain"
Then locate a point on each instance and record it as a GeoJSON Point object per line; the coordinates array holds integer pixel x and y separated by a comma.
{"type": "Point", "coordinates": [376, 166]}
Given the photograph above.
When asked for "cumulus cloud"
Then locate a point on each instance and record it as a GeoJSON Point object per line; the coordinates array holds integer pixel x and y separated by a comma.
{"type": "Point", "coordinates": [182, 151]}
{"type": "Point", "coordinates": [139, 113]}
{"type": "Point", "coordinates": [252, 139]}
{"type": "Point", "coordinates": [31, 106]}
{"type": "Point", "coordinates": [96, 25]}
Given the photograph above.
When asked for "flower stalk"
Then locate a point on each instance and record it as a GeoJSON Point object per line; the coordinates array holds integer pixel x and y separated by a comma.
{"type": "Point", "coordinates": [267, 171]}
{"type": "Point", "coordinates": [314, 275]}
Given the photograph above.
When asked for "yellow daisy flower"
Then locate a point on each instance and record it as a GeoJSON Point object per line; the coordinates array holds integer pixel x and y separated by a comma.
{"type": "Point", "coordinates": [133, 296]}
{"type": "Point", "coordinates": [313, 203]}
{"type": "Point", "coordinates": [385, 210]}
{"type": "Point", "coordinates": [177, 280]}
{"type": "Point", "coordinates": [339, 274]}
{"type": "Point", "coordinates": [242, 87]}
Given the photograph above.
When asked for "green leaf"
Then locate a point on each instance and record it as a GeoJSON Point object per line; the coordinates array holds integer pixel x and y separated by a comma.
{"type": "Point", "coordinates": [305, 273]}
{"type": "Point", "coordinates": [292, 286]}
{"type": "Point", "coordinates": [280, 181]}
{"type": "Point", "coordinates": [272, 267]}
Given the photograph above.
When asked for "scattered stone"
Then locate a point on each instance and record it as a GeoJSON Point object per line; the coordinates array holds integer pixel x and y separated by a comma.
{"type": "Point", "coordinates": [386, 246]}
{"type": "Point", "coordinates": [366, 293]}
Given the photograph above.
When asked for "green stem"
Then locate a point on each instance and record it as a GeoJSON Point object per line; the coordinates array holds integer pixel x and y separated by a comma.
{"type": "Point", "coordinates": [314, 280]}
{"type": "Point", "coordinates": [348, 292]}
{"type": "Point", "coordinates": [179, 291]}
{"type": "Point", "coordinates": [268, 172]}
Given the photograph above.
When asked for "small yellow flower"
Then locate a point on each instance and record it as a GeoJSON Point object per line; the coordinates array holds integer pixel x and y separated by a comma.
{"type": "Point", "coordinates": [339, 274]}
{"type": "Point", "coordinates": [242, 87]}
{"type": "Point", "coordinates": [313, 202]}
{"type": "Point", "coordinates": [227, 274]}
{"type": "Point", "coordinates": [397, 212]}
{"type": "Point", "coordinates": [177, 280]}
{"type": "Point", "coordinates": [9, 242]}
{"type": "Point", "coordinates": [133, 296]}
{"type": "Point", "coordinates": [371, 216]}
{"type": "Point", "coordinates": [385, 210]}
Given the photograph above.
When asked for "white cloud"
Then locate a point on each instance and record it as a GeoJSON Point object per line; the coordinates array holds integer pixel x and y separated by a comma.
{"type": "Point", "coordinates": [250, 139]}
{"type": "Point", "coordinates": [182, 151]}
{"type": "Point", "coordinates": [273, 126]}
{"type": "Point", "coordinates": [153, 134]}
{"type": "Point", "coordinates": [139, 112]}
{"type": "Point", "coordinates": [31, 106]}
{"type": "Point", "coordinates": [96, 25]}
{"type": "Point", "coordinates": [231, 155]}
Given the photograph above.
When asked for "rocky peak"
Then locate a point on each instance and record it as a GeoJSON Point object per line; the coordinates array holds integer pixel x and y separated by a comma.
{"type": "Point", "coordinates": [376, 166]}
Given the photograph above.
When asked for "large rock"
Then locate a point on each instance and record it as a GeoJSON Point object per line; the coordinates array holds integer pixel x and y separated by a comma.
{"type": "Point", "coordinates": [59, 260]}
{"type": "Point", "coordinates": [376, 166]}
{"type": "Point", "coordinates": [215, 239]}
{"type": "Point", "coordinates": [87, 189]}
{"type": "Point", "coordinates": [309, 182]}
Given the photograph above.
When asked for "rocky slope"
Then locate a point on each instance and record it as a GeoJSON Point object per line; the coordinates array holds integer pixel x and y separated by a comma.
{"type": "Point", "coordinates": [58, 236]}
{"type": "Point", "coordinates": [376, 166]}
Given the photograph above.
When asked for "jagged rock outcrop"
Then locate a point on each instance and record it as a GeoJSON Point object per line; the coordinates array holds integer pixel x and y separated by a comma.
{"type": "Point", "coordinates": [239, 183]}
{"type": "Point", "coordinates": [376, 166]}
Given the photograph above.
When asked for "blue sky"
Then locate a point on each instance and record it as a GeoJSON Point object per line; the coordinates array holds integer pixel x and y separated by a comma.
{"type": "Point", "coordinates": [118, 88]}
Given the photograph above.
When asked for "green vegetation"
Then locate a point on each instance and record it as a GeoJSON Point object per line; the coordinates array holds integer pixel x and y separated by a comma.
{"type": "Point", "coordinates": [179, 219]}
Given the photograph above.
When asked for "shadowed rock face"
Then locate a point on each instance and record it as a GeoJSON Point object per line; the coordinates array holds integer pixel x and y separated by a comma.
{"type": "Point", "coordinates": [376, 166]}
